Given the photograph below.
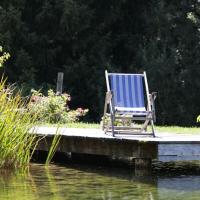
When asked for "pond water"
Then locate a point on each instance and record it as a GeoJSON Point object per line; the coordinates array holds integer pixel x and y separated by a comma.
{"type": "Point", "coordinates": [93, 182]}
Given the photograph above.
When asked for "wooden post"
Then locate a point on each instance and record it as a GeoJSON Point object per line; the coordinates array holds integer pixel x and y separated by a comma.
{"type": "Point", "coordinates": [59, 86]}
{"type": "Point", "coordinates": [142, 166]}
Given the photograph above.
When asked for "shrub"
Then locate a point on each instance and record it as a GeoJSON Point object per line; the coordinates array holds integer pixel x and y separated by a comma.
{"type": "Point", "coordinates": [54, 108]}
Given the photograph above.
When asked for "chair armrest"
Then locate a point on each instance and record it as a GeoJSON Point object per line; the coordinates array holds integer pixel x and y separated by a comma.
{"type": "Point", "coordinates": [152, 98]}
{"type": "Point", "coordinates": [108, 96]}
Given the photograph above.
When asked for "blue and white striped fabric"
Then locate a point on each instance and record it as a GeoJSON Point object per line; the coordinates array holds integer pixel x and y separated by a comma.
{"type": "Point", "coordinates": [128, 90]}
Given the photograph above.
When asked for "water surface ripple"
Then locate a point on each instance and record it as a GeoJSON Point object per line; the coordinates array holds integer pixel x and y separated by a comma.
{"type": "Point", "coordinates": [82, 182]}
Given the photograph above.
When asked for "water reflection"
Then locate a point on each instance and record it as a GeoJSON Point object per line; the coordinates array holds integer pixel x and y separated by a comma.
{"type": "Point", "coordinates": [83, 182]}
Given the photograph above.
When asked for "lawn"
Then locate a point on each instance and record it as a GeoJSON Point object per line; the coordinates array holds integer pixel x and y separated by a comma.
{"type": "Point", "coordinates": [178, 129]}
{"type": "Point", "coordinates": [168, 129]}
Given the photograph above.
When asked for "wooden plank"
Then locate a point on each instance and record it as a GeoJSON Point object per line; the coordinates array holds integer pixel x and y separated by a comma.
{"type": "Point", "coordinates": [99, 146]}
{"type": "Point", "coordinates": [166, 147]}
{"type": "Point", "coordinates": [161, 138]}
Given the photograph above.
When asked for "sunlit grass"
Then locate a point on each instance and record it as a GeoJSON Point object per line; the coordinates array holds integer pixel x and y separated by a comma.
{"type": "Point", "coordinates": [178, 129]}
{"type": "Point", "coordinates": [164, 129]}
{"type": "Point", "coordinates": [73, 125]}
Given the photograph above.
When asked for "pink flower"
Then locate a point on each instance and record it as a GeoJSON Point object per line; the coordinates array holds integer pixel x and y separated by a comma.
{"type": "Point", "coordinates": [80, 110]}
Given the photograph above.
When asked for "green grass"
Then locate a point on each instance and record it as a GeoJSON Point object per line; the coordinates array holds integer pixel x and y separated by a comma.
{"type": "Point", "coordinates": [73, 125]}
{"type": "Point", "coordinates": [168, 129]}
{"type": "Point", "coordinates": [178, 129]}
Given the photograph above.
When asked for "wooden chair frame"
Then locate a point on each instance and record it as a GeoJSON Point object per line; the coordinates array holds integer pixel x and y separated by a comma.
{"type": "Point", "coordinates": [111, 115]}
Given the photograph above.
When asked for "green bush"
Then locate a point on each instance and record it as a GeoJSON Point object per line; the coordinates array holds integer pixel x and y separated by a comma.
{"type": "Point", "coordinates": [54, 108]}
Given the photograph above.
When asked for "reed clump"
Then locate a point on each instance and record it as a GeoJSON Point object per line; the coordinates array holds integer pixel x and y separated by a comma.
{"type": "Point", "coordinates": [16, 143]}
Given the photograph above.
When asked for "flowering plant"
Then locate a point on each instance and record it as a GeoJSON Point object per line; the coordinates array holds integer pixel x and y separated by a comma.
{"type": "Point", "coordinates": [54, 108]}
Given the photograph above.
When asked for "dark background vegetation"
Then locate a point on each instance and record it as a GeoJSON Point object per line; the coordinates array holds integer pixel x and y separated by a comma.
{"type": "Point", "coordinates": [82, 38]}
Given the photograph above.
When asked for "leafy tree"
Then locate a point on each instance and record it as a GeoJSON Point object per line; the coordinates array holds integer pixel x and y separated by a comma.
{"type": "Point", "coordinates": [83, 38]}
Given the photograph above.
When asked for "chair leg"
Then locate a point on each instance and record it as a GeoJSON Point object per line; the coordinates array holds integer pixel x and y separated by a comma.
{"type": "Point", "coordinates": [144, 126]}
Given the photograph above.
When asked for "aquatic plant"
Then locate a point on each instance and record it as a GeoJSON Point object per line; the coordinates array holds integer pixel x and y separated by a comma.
{"type": "Point", "coordinates": [53, 147]}
{"type": "Point", "coordinates": [16, 143]}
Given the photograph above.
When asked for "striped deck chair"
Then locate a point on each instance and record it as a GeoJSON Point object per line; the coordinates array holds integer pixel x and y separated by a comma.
{"type": "Point", "coordinates": [129, 103]}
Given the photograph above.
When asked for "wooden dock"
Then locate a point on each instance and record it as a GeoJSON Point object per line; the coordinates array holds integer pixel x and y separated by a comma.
{"type": "Point", "coordinates": [164, 147]}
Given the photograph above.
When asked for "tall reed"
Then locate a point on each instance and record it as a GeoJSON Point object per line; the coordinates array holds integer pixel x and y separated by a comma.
{"type": "Point", "coordinates": [16, 143]}
{"type": "Point", "coordinates": [53, 147]}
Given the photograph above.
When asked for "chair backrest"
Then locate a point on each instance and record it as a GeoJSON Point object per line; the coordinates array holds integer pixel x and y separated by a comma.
{"type": "Point", "coordinates": [128, 89]}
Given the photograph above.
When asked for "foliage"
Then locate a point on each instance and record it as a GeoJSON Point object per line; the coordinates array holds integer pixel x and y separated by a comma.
{"type": "Point", "coordinates": [118, 122]}
{"type": "Point", "coordinates": [198, 118]}
{"type": "Point", "coordinates": [16, 145]}
{"type": "Point", "coordinates": [5, 56]}
{"type": "Point", "coordinates": [54, 108]}
{"type": "Point", "coordinates": [83, 38]}
{"type": "Point", "coordinates": [53, 147]}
